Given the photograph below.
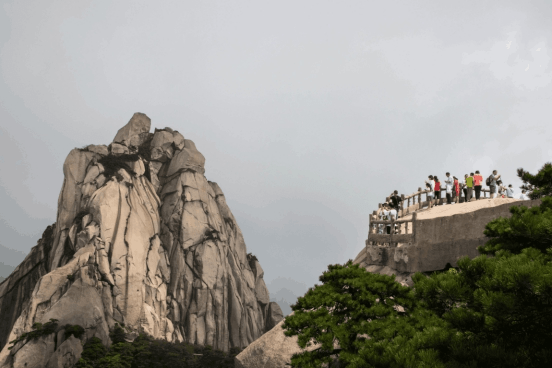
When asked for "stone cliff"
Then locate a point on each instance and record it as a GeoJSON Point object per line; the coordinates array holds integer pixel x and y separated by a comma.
{"type": "Point", "coordinates": [143, 239]}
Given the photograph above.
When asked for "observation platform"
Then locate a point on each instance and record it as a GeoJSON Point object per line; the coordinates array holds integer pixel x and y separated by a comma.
{"type": "Point", "coordinates": [423, 239]}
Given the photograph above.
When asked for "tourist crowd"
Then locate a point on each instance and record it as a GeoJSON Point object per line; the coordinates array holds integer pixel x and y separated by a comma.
{"type": "Point", "coordinates": [470, 185]}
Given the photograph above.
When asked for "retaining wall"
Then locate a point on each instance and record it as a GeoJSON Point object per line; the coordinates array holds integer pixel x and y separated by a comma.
{"type": "Point", "coordinates": [441, 240]}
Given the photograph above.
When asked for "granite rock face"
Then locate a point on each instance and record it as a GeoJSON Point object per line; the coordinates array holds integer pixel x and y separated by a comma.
{"type": "Point", "coordinates": [141, 238]}
{"type": "Point", "coordinates": [274, 350]}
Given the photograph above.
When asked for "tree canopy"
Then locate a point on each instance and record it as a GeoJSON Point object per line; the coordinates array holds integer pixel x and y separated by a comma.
{"type": "Point", "coordinates": [491, 311]}
{"type": "Point", "coordinates": [539, 185]}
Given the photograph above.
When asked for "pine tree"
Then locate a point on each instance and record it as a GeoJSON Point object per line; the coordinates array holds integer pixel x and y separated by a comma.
{"type": "Point", "coordinates": [538, 185]}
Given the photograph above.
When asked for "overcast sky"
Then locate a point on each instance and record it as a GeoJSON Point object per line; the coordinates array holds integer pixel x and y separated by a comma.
{"type": "Point", "coordinates": [309, 113]}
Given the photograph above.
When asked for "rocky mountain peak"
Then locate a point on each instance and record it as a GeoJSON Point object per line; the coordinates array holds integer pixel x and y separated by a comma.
{"type": "Point", "coordinates": [144, 240]}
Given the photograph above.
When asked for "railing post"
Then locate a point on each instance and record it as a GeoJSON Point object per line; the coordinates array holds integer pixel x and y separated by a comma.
{"type": "Point", "coordinates": [419, 198]}
{"type": "Point", "coordinates": [414, 219]}
{"type": "Point", "coordinates": [392, 232]}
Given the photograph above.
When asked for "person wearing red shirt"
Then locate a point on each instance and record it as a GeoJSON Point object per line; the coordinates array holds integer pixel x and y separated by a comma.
{"type": "Point", "coordinates": [437, 190]}
{"type": "Point", "coordinates": [477, 181]}
{"type": "Point", "coordinates": [456, 190]}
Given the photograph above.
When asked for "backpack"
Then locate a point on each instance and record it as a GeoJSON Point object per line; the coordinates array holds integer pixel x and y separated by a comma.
{"type": "Point", "coordinates": [488, 181]}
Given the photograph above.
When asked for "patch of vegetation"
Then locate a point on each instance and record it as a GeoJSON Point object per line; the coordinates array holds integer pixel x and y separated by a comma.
{"type": "Point", "coordinates": [39, 330]}
{"type": "Point", "coordinates": [251, 257]}
{"type": "Point", "coordinates": [145, 352]}
{"type": "Point", "coordinates": [118, 334]}
{"type": "Point", "coordinates": [71, 278]}
{"type": "Point", "coordinates": [74, 330]}
{"type": "Point", "coordinates": [93, 351]}
{"type": "Point", "coordinates": [112, 164]}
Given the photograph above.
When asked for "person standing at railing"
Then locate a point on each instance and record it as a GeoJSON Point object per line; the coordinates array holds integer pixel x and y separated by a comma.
{"type": "Point", "coordinates": [456, 190]}
{"type": "Point", "coordinates": [465, 187]}
{"type": "Point", "coordinates": [523, 196]}
{"type": "Point", "coordinates": [493, 179]}
{"type": "Point", "coordinates": [477, 182]}
{"type": "Point", "coordinates": [469, 185]}
{"type": "Point", "coordinates": [510, 191]}
{"type": "Point", "coordinates": [393, 217]}
{"type": "Point", "coordinates": [431, 187]}
{"type": "Point", "coordinates": [395, 200]}
{"type": "Point", "coordinates": [501, 189]}
{"type": "Point", "coordinates": [449, 183]}
{"type": "Point", "coordinates": [437, 190]}
{"type": "Point", "coordinates": [384, 216]}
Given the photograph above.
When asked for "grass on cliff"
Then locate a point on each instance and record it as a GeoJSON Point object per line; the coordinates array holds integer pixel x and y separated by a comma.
{"type": "Point", "coordinates": [145, 352]}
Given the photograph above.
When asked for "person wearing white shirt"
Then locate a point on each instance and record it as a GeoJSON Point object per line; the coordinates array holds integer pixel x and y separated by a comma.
{"type": "Point", "coordinates": [493, 188]}
{"type": "Point", "coordinates": [509, 191]}
{"type": "Point", "coordinates": [431, 187]}
{"type": "Point", "coordinates": [392, 216]}
{"type": "Point", "coordinates": [449, 183]}
{"type": "Point", "coordinates": [523, 196]}
{"type": "Point", "coordinates": [384, 216]}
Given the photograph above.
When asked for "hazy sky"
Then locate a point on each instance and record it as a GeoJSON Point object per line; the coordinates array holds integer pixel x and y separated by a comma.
{"type": "Point", "coordinates": [309, 113]}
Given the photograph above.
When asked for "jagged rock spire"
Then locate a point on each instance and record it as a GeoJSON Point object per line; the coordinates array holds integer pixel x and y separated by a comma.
{"type": "Point", "coordinates": [141, 238]}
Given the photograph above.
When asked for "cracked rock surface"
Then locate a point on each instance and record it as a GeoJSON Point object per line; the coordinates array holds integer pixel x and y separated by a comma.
{"type": "Point", "coordinates": [141, 238]}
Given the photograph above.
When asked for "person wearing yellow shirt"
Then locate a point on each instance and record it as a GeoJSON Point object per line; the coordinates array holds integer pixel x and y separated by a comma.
{"type": "Point", "coordinates": [469, 185]}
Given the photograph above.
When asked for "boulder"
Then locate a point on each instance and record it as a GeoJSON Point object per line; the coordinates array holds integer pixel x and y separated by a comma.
{"type": "Point", "coordinates": [101, 149]}
{"type": "Point", "coordinates": [275, 315]}
{"type": "Point", "coordinates": [162, 146]}
{"type": "Point", "coordinates": [131, 134]}
{"type": "Point", "coordinates": [188, 158]}
{"type": "Point", "coordinates": [67, 354]}
{"type": "Point", "coordinates": [274, 350]}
